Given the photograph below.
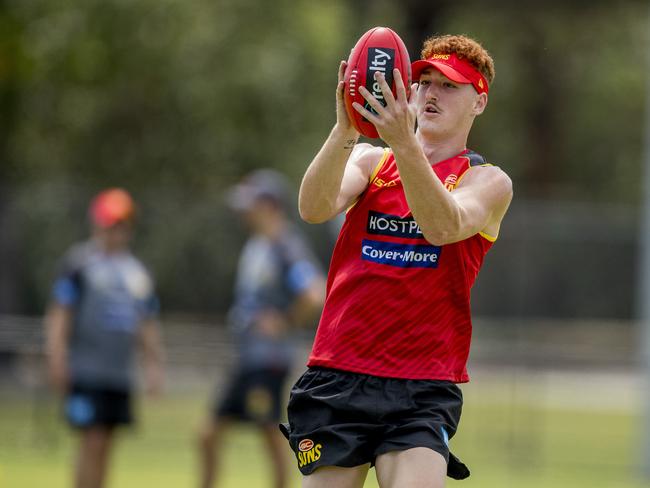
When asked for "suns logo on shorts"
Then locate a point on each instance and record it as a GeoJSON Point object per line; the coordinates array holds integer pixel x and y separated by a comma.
{"type": "Point", "coordinates": [308, 452]}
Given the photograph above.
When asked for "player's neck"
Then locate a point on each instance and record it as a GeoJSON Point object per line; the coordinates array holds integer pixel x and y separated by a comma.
{"type": "Point", "coordinates": [437, 150]}
{"type": "Point", "coordinates": [273, 228]}
{"type": "Point", "coordinates": [109, 248]}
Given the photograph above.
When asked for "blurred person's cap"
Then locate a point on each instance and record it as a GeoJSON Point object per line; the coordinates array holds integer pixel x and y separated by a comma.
{"type": "Point", "coordinates": [456, 69]}
{"type": "Point", "coordinates": [110, 207]}
{"type": "Point", "coordinates": [261, 184]}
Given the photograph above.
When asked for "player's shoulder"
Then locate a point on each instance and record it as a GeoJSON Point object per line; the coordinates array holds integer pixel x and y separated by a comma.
{"type": "Point", "coordinates": [138, 264]}
{"type": "Point", "coordinates": [139, 279]}
{"type": "Point", "coordinates": [492, 175]}
{"type": "Point", "coordinates": [497, 172]}
{"type": "Point", "coordinates": [76, 257]}
{"type": "Point", "coordinates": [476, 159]}
{"type": "Point", "coordinates": [364, 149]}
{"type": "Point", "coordinates": [481, 167]}
{"type": "Point", "coordinates": [367, 156]}
{"type": "Point", "coordinates": [293, 244]}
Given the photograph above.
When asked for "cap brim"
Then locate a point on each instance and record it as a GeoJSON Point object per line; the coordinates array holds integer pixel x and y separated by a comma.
{"type": "Point", "coordinates": [106, 222]}
{"type": "Point", "coordinates": [240, 197]}
{"type": "Point", "coordinates": [104, 218]}
{"type": "Point", "coordinates": [419, 66]}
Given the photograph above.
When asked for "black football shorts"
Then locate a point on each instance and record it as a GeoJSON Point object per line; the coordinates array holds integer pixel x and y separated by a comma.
{"type": "Point", "coordinates": [339, 418]}
{"type": "Point", "coordinates": [87, 406]}
{"type": "Point", "coordinates": [254, 396]}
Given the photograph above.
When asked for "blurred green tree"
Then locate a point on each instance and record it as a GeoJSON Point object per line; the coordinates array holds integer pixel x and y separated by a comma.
{"type": "Point", "coordinates": [175, 100]}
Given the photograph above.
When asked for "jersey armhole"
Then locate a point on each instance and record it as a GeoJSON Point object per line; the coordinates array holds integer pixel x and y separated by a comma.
{"type": "Point", "coordinates": [373, 175]}
{"type": "Point", "coordinates": [379, 165]}
{"type": "Point", "coordinates": [488, 237]}
{"type": "Point", "coordinates": [470, 167]}
{"type": "Point", "coordinates": [484, 235]}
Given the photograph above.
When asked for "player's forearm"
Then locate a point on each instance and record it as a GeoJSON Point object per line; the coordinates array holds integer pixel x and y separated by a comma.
{"type": "Point", "coordinates": [153, 356]}
{"type": "Point", "coordinates": [56, 336]}
{"type": "Point", "coordinates": [57, 329]}
{"type": "Point", "coordinates": [152, 348]}
{"type": "Point", "coordinates": [321, 184]}
{"type": "Point", "coordinates": [56, 351]}
{"type": "Point", "coordinates": [434, 209]}
{"type": "Point", "coordinates": [307, 307]}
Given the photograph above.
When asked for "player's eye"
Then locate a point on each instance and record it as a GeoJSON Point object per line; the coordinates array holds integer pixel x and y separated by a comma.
{"type": "Point", "coordinates": [446, 84]}
{"type": "Point", "coordinates": [424, 82]}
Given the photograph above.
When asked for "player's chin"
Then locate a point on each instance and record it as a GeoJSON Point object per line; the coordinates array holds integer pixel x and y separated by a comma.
{"type": "Point", "coordinates": [429, 122]}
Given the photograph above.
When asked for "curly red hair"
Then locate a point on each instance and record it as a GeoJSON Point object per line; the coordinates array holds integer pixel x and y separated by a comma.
{"type": "Point", "coordinates": [464, 48]}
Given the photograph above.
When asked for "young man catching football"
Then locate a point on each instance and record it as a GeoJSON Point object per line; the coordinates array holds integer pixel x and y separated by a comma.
{"type": "Point", "coordinates": [394, 336]}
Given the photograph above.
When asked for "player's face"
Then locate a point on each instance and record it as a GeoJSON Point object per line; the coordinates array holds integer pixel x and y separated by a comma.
{"type": "Point", "coordinates": [259, 215]}
{"type": "Point", "coordinates": [253, 217]}
{"type": "Point", "coordinates": [116, 237]}
{"type": "Point", "coordinates": [445, 107]}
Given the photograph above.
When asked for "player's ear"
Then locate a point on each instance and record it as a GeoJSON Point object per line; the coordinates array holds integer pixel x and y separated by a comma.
{"type": "Point", "coordinates": [480, 103]}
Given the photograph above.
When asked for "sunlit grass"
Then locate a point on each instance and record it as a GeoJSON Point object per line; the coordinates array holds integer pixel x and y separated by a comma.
{"type": "Point", "coordinates": [507, 442]}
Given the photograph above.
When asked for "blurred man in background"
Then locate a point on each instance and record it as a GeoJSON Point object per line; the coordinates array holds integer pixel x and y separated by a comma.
{"type": "Point", "coordinates": [278, 285]}
{"type": "Point", "coordinates": [102, 305]}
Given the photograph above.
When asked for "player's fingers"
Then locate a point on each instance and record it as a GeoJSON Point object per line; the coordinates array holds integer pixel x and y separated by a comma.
{"type": "Point", "coordinates": [400, 89]}
{"type": "Point", "coordinates": [339, 90]}
{"type": "Point", "coordinates": [385, 89]}
{"type": "Point", "coordinates": [342, 67]}
{"type": "Point", "coordinates": [372, 101]}
{"type": "Point", "coordinates": [367, 114]}
{"type": "Point", "coordinates": [414, 93]}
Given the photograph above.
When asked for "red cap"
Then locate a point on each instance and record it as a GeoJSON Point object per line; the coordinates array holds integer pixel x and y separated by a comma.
{"type": "Point", "coordinates": [110, 207]}
{"type": "Point", "coordinates": [454, 68]}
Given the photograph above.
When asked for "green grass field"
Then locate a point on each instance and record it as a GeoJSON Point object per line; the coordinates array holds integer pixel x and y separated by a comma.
{"type": "Point", "coordinates": [509, 438]}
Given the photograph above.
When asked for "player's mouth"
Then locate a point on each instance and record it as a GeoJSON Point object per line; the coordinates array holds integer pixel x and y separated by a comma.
{"type": "Point", "coordinates": [431, 108]}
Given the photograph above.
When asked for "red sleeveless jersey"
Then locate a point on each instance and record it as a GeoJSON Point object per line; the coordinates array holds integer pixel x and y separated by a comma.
{"type": "Point", "coordinates": [398, 306]}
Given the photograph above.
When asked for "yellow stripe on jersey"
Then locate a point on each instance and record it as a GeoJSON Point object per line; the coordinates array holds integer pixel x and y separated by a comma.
{"type": "Point", "coordinates": [374, 173]}
{"type": "Point", "coordinates": [488, 236]}
{"type": "Point", "coordinates": [380, 165]}
{"type": "Point", "coordinates": [468, 168]}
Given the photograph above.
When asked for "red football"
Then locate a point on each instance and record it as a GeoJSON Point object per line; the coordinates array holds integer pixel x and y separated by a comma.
{"type": "Point", "coordinates": [379, 49]}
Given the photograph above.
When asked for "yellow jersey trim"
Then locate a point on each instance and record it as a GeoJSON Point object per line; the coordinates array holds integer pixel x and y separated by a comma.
{"type": "Point", "coordinates": [380, 165]}
{"type": "Point", "coordinates": [374, 173]}
{"type": "Point", "coordinates": [469, 167]}
{"type": "Point", "coordinates": [488, 236]}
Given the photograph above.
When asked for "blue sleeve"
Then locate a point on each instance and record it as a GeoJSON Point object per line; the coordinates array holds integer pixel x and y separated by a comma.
{"type": "Point", "coordinates": [65, 291]}
{"type": "Point", "coordinates": [301, 275]}
{"type": "Point", "coordinates": [151, 306]}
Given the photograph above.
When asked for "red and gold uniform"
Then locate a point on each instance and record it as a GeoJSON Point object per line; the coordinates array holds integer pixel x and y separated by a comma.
{"type": "Point", "coordinates": [398, 306]}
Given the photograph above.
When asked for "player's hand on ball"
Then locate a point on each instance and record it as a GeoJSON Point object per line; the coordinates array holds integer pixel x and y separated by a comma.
{"type": "Point", "coordinates": [342, 118]}
{"type": "Point", "coordinates": [396, 120]}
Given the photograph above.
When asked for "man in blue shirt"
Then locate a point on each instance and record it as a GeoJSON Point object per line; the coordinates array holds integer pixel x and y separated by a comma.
{"type": "Point", "coordinates": [103, 303]}
{"type": "Point", "coordinates": [279, 284]}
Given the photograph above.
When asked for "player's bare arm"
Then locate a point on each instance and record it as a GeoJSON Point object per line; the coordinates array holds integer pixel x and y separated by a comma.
{"type": "Point", "coordinates": [341, 170]}
{"type": "Point", "coordinates": [482, 198]}
{"type": "Point", "coordinates": [302, 311]}
{"type": "Point", "coordinates": [307, 305]}
{"type": "Point", "coordinates": [57, 331]}
{"type": "Point", "coordinates": [478, 203]}
{"type": "Point", "coordinates": [153, 355]}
